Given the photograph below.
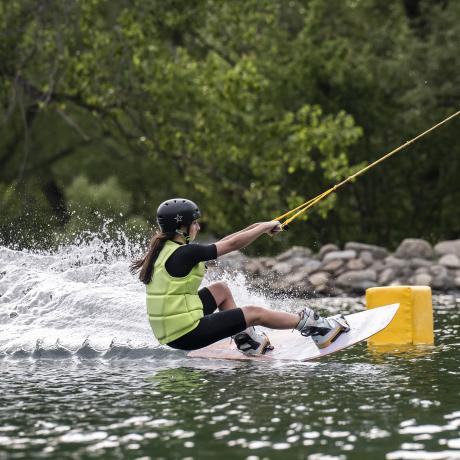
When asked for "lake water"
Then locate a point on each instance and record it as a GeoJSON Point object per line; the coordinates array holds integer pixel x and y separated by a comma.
{"type": "Point", "coordinates": [82, 377]}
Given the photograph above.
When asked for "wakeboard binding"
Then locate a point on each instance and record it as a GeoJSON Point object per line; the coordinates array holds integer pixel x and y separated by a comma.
{"type": "Point", "coordinates": [323, 331]}
{"type": "Point", "coordinates": [252, 342]}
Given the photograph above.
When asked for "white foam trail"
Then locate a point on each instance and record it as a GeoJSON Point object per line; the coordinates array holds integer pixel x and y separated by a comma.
{"type": "Point", "coordinates": [80, 295]}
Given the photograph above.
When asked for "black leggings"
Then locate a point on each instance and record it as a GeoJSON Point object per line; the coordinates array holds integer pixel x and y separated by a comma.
{"type": "Point", "coordinates": [213, 326]}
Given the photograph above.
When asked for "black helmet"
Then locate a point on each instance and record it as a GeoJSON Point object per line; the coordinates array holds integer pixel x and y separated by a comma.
{"type": "Point", "coordinates": [172, 214]}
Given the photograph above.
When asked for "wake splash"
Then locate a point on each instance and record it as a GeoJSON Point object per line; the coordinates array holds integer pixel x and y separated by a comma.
{"type": "Point", "coordinates": [81, 301]}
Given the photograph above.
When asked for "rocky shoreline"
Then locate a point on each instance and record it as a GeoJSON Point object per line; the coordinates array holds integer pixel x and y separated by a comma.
{"type": "Point", "coordinates": [334, 272]}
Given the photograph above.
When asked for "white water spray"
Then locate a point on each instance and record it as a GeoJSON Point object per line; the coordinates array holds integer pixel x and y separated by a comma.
{"type": "Point", "coordinates": [80, 299]}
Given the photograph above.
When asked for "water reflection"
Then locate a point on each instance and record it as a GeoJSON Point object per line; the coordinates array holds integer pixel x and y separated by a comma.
{"type": "Point", "coordinates": [181, 380]}
{"type": "Point", "coordinates": [408, 351]}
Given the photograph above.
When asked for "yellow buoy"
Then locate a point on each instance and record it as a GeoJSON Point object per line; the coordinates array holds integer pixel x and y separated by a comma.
{"type": "Point", "coordinates": [413, 322]}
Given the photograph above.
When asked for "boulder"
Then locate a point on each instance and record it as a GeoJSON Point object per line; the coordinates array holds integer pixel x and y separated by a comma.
{"type": "Point", "coordinates": [269, 262]}
{"type": "Point", "coordinates": [234, 261]}
{"type": "Point", "coordinates": [377, 252]}
{"type": "Point", "coordinates": [421, 279]}
{"type": "Point", "coordinates": [306, 270]}
{"type": "Point", "coordinates": [332, 266]}
{"type": "Point", "coordinates": [366, 257]}
{"type": "Point", "coordinates": [325, 249]}
{"type": "Point", "coordinates": [414, 247]}
{"type": "Point", "coordinates": [406, 271]}
{"type": "Point", "coordinates": [387, 276]}
{"type": "Point", "coordinates": [310, 266]}
{"type": "Point", "coordinates": [395, 262]}
{"type": "Point", "coordinates": [441, 279]}
{"type": "Point", "coordinates": [334, 291]}
{"type": "Point", "coordinates": [450, 261]}
{"type": "Point", "coordinates": [282, 267]}
{"type": "Point", "coordinates": [417, 263]}
{"type": "Point", "coordinates": [347, 255]}
{"type": "Point", "coordinates": [448, 247]}
{"type": "Point", "coordinates": [360, 287]}
{"type": "Point", "coordinates": [297, 278]}
{"type": "Point", "coordinates": [438, 270]}
{"type": "Point", "coordinates": [378, 266]}
{"type": "Point", "coordinates": [255, 266]}
{"type": "Point", "coordinates": [397, 282]}
{"type": "Point", "coordinates": [420, 270]}
{"type": "Point", "coordinates": [298, 261]}
{"type": "Point", "coordinates": [355, 264]}
{"type": "Point", "coordinates": [322, 289]}
{"type": "Point", "coordinates": [280, 285]}
{"type": "Point", "coordinates": [357, 279]}
{"type": "Point", "coordinates": [442, 282]}
{"type": "Point", "coordinates": [294, 252]}
{"type": "Point", "coordinates": [319, 278]}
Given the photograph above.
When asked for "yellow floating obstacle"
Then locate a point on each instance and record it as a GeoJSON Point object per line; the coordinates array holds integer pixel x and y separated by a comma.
{"type": "Point", "coordinates": [413, 322]}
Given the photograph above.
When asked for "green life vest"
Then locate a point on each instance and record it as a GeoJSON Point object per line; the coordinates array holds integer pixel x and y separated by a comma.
{"type": "Point", "coordinates": [173, 305]}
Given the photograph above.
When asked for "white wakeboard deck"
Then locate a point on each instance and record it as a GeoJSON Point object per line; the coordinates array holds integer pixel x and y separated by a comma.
{"type": "Point", "coordinates": [292, 346]}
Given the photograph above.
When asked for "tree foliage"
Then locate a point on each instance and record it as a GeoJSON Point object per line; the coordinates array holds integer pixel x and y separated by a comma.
{"type": "Point", "coordinates": [248, 107]}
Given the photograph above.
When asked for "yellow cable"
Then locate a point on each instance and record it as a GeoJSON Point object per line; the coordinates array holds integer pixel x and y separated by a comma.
{"type": "Point", "coordinates": [308, 204]}
{"type": "Point", "coordinates": [303, 207]}
{"type": "Point", "coordinates": [311, 204]}
{"type": "Point", "coordinates": [293, 210]}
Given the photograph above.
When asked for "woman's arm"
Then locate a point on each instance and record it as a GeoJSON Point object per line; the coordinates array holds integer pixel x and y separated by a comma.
{"type": "Point", "coordinates": [244, 238]}
{"type": "Point", "coordinates": [237, 233]}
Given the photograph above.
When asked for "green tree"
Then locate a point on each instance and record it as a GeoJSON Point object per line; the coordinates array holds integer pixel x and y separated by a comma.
{"type": "Point", "coordinates": [249, 107]}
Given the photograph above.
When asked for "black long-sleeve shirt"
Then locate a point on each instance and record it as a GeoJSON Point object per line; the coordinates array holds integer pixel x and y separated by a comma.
{"type": "Point", "coordinates": [183, 259]}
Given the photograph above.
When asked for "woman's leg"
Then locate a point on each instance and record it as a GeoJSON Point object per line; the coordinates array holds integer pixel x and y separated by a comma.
{"type": "Point", "coordinates": [322, 330]}
{"type": "Point", "coordinates": [222, 295]}
{"type": "Point", "coordinates": [259, 316]}
{"type": "Point", "coordinates": [254, 316]}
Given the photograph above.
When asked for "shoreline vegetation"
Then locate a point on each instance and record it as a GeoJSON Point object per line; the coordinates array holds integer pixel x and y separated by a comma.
{"type": "Point", "coordinates": [350, 270]}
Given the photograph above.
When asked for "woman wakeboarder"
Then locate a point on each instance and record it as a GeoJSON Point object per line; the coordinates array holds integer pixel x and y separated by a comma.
{"type": "Point", "coordinates": [183, 316]}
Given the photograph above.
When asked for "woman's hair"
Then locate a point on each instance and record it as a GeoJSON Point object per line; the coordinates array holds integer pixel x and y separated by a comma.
{"type": "Point", "coordinates": [145, 264]}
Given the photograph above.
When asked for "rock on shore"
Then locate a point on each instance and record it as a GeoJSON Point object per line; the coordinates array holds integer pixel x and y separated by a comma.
{"type": "Point", "coordinates": [353, 269]}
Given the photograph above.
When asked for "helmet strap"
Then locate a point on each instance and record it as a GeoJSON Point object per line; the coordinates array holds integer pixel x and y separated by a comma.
{"type": "Point", "coordinates": [185, 235]}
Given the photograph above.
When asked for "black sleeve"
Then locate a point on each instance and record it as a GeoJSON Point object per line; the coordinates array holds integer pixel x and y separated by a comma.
{"type": "Point", "coordinates": [181, 262]}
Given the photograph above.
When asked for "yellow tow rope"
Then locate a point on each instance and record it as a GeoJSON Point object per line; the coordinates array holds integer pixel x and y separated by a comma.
{"type": "Point", "coordinates": [299, 210]}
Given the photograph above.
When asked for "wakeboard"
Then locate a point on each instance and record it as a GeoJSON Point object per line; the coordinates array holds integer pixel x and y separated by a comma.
{"type": "Point", "coordinates": [292, 346]}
